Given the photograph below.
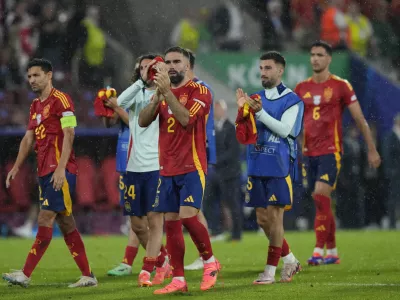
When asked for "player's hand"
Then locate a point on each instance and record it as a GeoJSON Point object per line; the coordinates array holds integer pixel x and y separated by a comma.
{"type": "Point", "coordinates": [111, 103]}
{"type": "Point", "coordinates": [254, 104]}
{"type": "Point", "coordinates": [156, 98]}
{"type": "Point", "coordinates": [240, 98]}
{"type": "Point", "coordinates": [11, 175]}
{"type": "Point", "coordinates": [161, 67]}
{"type": "Point", "coordinates": [162, 81]}
{"type": "Point", "coordinates": [374, 159]}
{"type": "Point", "coordinates": [58, 178]}
{"type": "Point", "coordinates": [146, 70]}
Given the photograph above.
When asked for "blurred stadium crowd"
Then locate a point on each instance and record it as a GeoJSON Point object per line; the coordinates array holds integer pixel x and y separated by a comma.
{"type": "Point", "coordinates": [80, 42]}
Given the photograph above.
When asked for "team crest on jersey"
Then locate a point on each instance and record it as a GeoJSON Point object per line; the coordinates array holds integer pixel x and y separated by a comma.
{"type": "Point", "coordinates": [156, 202]}
{"type": "Point", "coordinates": [38, 118]}
{"type": "Point", "coordinates": [46, 111]}
{"type": "Point", "coordinates": [183, 99]}
{"type": "Point", "coordinates": [127, 206]}
{"type": "Point", "coordinates": [317, 100]}
{"type": "Point", "coordinates": [34, 116]}
{"type": "Point", "coordinates": [247, 197]}
{"type": "Point", "coordinates": [328, 92]}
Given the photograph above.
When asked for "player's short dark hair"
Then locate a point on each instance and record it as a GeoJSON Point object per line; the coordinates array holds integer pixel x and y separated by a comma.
{"type": "Point", "coordinates": [323, 44]}
{"type": "Point", "coordinates": [275, 56]}
{"type": "Point", "coordinates": [178, 50]}
{"type": "Point", "coordinates": [44, 64]}
{"type": "Point", "coordinates": [147, 56]}
{"type": "Point", "coordinates": [192, 58]}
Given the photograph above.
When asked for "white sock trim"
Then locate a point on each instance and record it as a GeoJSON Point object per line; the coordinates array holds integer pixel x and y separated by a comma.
{"type": "Point", "coordinates": [320, 251]}
{"type": "Point", "coordinates": [210, 260]}
{"type": "Point", "coordinates": [180, 278]}
{"type": "Point", "coordinates": [332, 251]}
{"type": "Point", "coordinates": [270, 270]}
{"type": "Point", "coordinates": [289, 259]}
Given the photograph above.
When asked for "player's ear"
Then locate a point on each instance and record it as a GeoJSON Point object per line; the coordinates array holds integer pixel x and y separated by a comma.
{"type": "Point", "coordinates": [49, 75]}
{"type": "Point", "coordinates": [281, 69]}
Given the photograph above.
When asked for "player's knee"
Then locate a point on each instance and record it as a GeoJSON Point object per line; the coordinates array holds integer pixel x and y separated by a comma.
{"type": "Point", "coordinates": [264, 224]}
{"type": "Point", "coordinates": [156, 221]}
{"type": "Point", "coordinates": [139, 226]}
{"type": "Point", "coordinates": [66, 224]}
{"type": "Point", "coordinates": [322, 188]}
{"type": "Point", "coordinates": [262, 220]}
{"type": "Point", "coordinates": [46, 218]}
{"type": "Point", "coordinates": [187, 212]}
{"type": "Point", "coordinates": [275, 214]}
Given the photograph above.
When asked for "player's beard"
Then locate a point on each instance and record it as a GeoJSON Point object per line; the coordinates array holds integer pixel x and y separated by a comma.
{"type": "Point", "coordinates": [318, 70]}
{"type": "Point", "coordinates": [268, 84]}
{"type": "Point", "coordinates": [177, 78]}
{"type": "Point", "coordinates": [37, 90]}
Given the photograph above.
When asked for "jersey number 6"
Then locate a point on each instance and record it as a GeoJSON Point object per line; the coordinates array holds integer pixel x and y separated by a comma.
{"type": "Point", "coordinates": [316, 115]}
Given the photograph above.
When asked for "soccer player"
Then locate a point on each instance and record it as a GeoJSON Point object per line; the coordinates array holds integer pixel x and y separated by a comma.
{"type": "Point", "coordinates": [181, 106]}
{"type": "Point", "coordinates": [51, 125]}
{"type": "Point", "coordinates": [325, 97]}
{"type": "Point", "coordinates": [211, 150]}
{"type": "Point", "coordinates": [142, 177]}
{"type": "Point", "coordinates": [121, 117]}
{"type": "Point", "coordinates": [269, 122]}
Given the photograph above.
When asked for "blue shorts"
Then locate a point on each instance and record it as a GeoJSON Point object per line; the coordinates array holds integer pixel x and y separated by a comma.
{"type": "Point", "coordinates": [180, 190]}
{"type": "Point", "coordinates": [264, 191]}
{"type": "Point", "coordinates": [57, 201]}
{"type": "Point", "coordinates": [324, 168]}
{"type": "Point", "coordinates": [139, 192]}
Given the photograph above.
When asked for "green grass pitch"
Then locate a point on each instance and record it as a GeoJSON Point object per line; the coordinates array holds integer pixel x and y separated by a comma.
{"type": "Point", "coordinates": [370, 269]}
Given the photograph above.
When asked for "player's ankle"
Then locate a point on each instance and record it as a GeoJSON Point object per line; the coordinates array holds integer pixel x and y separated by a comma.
{"type": "Point", "coordinates": [210, 260]}
{"type": "Point", "coordinates": [270, 270]}
{"type": "Point", "coordinates": [180, 278]}
{"type": "Point", "coordinates": [145, 272]}
{"type": "Point", "coordinates": [332, 252]}
{"type": "Point", "coordinates": [319, 251]}
{"type": "Point", "coordinates": [289, 259]}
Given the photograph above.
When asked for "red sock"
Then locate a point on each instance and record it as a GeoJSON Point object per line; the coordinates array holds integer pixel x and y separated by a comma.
{"type": "Point", "coordinates": [163, 251]}
{"type": "Point", "coordinates": [322, 219]}
{"type": "Point", "coordinates": [331, 239]}
{"type": "Point", "coordinates": [77, 249]}
{"type": "Point", "coordinates": [161, 257]}
{"type": "Point", "coordinates": [175, 246]}
{"type": "Point", "coordinates": [199, 235]}
{"type": "Point", "coordinates": [274, 254]}
{"type": "Point", "coordinates": [285, 248]}
{"type": "Point", "coordinates": [149, 264]}
{"type": "Point", "coordinates": [39, 247]}
{"type": "Point", "coordinates": [130, 254]}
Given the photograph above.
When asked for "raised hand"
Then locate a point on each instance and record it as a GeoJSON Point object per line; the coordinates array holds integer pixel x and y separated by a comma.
{"type": "Point", "coordinates": [240, 97]}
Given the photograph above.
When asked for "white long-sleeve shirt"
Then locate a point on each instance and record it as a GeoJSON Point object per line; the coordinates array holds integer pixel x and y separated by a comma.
{"type": "Point", "coordinates": [285, 125]}
{"type": "Point", "coordinates": [143, 142]}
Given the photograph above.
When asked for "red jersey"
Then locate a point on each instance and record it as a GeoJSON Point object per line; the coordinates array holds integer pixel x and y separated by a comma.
{"type": "Point", "coordinates": [324, 104]}
{"type": "Point", "coordinates": [44, 120]}
{"type": "Point", "coordinates": [183, 149]}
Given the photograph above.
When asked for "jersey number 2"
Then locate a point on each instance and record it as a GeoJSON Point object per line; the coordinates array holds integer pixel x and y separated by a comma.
{"type": "Point", "coordinates": [171, 123]}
